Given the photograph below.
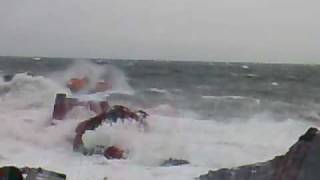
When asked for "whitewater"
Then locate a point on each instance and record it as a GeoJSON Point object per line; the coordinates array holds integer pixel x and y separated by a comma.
{"type": "Point", "coordinates": [28, 139]}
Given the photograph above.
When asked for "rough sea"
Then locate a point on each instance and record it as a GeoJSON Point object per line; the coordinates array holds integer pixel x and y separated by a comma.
{"type": "Point", "coordinates": [213, 114]}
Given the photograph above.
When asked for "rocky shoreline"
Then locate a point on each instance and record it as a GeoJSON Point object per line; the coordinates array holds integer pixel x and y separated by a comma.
{"type": "Point", "coordinates": [301, 162]}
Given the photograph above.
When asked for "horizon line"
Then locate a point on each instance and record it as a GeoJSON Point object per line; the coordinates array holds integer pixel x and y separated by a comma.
{"type": "Point", "coordinates": [160, 60]}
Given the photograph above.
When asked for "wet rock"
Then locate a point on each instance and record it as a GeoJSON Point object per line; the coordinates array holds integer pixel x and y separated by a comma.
{"type": "Point", "coordinates": [15, 173]}
{"type": "Point", "coordinates": [174, 162]}
{"type": "Point", "coordinates": [8, 77]}
{"type": "Point", "coordinates": [309, 135]}
{"type": "Point", "coordinates": [10, 173]}
{"type": "Point", "coordinates": [39, 173]}
{"type": "Point", "coordinates": [301, 162]}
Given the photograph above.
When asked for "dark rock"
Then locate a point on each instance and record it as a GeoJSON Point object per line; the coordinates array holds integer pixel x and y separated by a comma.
{"type": "Point", "coordinates": [309, 135]}
{"type": "Point", "coordinates": [10, 173]}
{"type": "Point", "coordinates": [14, 173]}
{"type": "Point", "coordinates": [301, 162]}
{"type": "Point", "coordinates": [174, 162]}
{"type": "Point", "coordinates": [8, 77]}
{"type": "Point", "coordinates": [39, 173]}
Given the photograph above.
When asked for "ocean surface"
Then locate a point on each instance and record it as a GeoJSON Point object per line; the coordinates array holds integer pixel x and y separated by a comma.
{"type": "Point", "coordinates": [214, 115]}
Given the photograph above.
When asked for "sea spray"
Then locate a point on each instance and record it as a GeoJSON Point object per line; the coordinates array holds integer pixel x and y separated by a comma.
{"type": "Point", "coordinates": [28, 139]}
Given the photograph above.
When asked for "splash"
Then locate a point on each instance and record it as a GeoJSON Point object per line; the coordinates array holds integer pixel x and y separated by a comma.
{"type": "Point", "coordinates": [25, 91]}
{"type": "Point", "coordinates": [204, 143]}
{"type": "Point", "coordinates": [95, 73]}
{"type": "Point", "coordinates": [27, 139]}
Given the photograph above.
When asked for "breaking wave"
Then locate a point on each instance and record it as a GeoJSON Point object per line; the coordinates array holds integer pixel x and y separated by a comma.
{"type": "Point", "coordinates": [25, 91]}
{"type": "Point", "coordinates": [29, 140]}
{"type": "Point", "coordinates": [95, 73]}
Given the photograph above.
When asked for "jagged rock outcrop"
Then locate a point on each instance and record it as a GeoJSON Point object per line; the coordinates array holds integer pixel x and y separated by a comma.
{"type": "Point", "coordinates": [301, 162]}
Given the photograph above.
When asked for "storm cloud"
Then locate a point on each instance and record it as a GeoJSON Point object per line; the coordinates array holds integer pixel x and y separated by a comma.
{"type": "Point", "coordinates": [209, 30]}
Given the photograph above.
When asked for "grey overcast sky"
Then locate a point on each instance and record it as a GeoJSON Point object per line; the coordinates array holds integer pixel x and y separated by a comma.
{"type": "Point", "coordinates": [229, 30]}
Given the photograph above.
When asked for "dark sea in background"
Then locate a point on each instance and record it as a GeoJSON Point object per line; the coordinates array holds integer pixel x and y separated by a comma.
{"type": "Point", "coordinates": [213, 90]}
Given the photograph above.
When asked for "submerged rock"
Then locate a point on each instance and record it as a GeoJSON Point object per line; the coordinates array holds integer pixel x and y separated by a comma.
{"type": "Point", "coordinates": [174, 162]}
{"type": "Point", "coordinates": [301, 162]}
{"type": "Point", "coordinates": [8, 77]}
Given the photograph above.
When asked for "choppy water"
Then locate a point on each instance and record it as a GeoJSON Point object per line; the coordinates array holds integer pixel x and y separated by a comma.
{"type": "Point", "coordinates": [212, 89]}
{"type": "Point", "coordinates": [213, 114]}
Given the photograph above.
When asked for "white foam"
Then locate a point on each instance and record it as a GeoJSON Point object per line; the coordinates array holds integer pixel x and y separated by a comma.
{"type": "Point", "coordinates": [37, 58]}
{"type": "Point", "coordinates": [158, 90]}
{"type": "Point", "coordinates": [25, 91]}
{"type": "Point", "coordinates": [231, 98]}
{"type": "Point", "coordinates": [245, 67]}
{"type": "Point", "coordinates": [26, 139]}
